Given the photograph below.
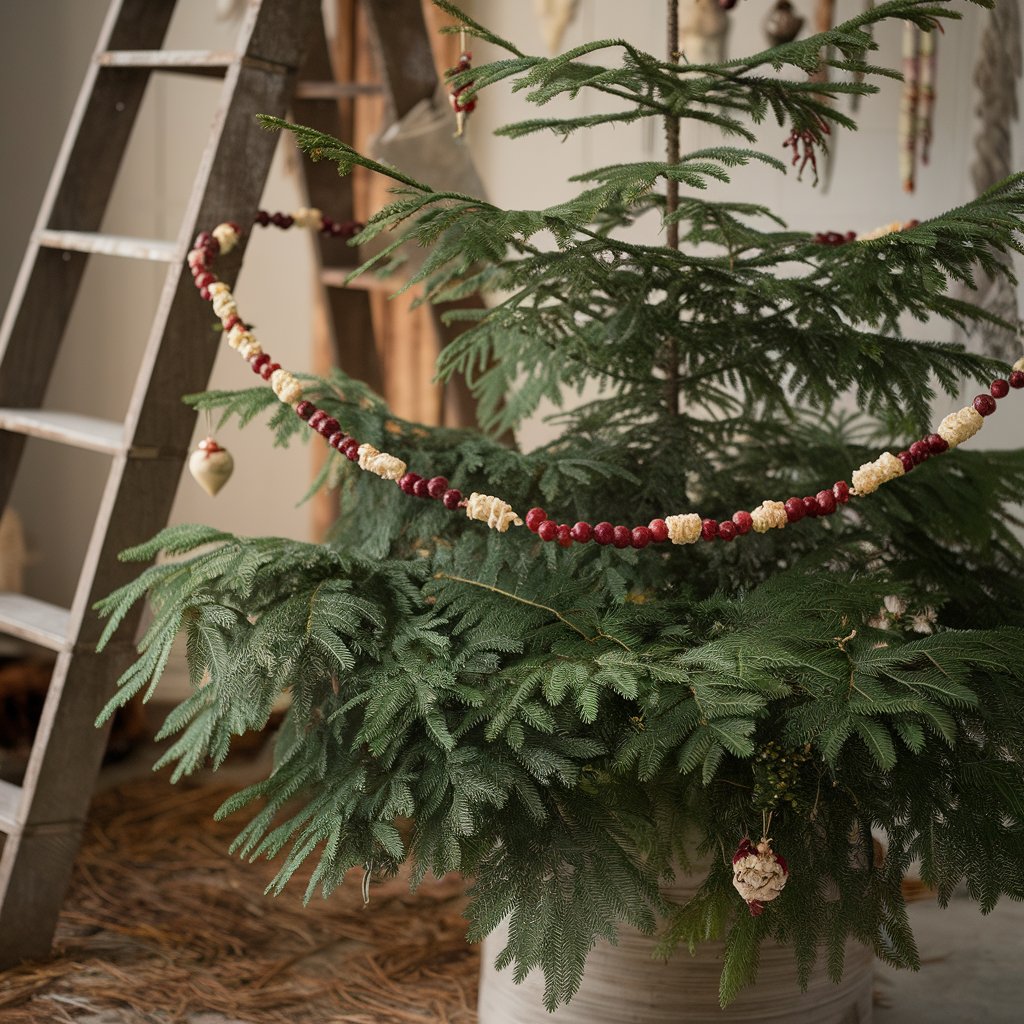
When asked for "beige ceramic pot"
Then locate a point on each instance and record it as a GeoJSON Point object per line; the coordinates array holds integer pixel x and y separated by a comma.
{"type": "Point", "coordinates": [624, 985]}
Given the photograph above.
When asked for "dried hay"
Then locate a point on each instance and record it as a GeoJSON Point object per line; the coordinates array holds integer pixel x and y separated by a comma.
{"type": "Point", "coordinates": [161, 925]}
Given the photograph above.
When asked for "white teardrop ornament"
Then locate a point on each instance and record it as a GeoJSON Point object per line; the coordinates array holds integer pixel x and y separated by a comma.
{"type": "Point", "coordinates": [211, 466]}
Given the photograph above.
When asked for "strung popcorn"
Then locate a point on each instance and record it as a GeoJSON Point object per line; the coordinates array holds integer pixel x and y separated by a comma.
{"type": "Point", "coordinates": [224, 305]}
{"type": "Point", "coordinates": [958, 426]}
{"type": "Point", "coordinates": [683, 529]}
{"type": "Point", "coordinates": [769, 515]}
{"type": "Point", "coordinates": [227, 236]}
{"type": "Point", "coordinates": [384, 465]}
{"type": "Point", "coordinates": [307, 217]}
{"type": "Point", "coordinates": [872, 475]}
{"type": "Point", "coordinates": [888, 229]}
{"type": "Point", "coordinates": [286, 387]}
{"type": "Point", "coordinates": [759, 874]}
{"type": "Point", "coordinates": [497, 514]}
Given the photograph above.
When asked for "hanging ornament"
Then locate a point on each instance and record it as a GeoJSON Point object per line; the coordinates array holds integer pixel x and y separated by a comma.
{"type": "Point", "coordinates": [456, 94]}
{"type": "Point", "coordinates": [555, 17]}
{"type": "Point", "coordinates": [759, 874]}
{"type": "Point", "coordinates": [703, 31]}
{"type": "Point", "coordinates": [908, 105]}
{"type": "Point", "coordinates": [211, 466]}
{"type": "Point", "coordinates": [783, 24]}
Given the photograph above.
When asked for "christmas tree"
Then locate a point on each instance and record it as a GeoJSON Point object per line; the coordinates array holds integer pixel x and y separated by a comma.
{"type": "Point", "coordinates": [567, 713]}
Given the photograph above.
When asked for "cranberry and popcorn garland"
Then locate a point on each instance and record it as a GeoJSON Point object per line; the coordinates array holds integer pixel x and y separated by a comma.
{"type": "Point", "coordinates": [498, 514]}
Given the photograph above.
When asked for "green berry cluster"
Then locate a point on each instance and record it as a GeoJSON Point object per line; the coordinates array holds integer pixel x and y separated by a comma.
{"type": "Point", "coordinates": [777, 776]}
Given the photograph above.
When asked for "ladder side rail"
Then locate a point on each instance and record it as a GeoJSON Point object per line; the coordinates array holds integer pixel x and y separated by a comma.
{"type": "Point", "coordinates": [349, 311]}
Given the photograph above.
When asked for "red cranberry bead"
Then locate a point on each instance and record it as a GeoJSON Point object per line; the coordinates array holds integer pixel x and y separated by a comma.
{"type": "Point", "coordinates": [204, 294]}
{"type": "Point", "coordinates": [795, 510]}
{"type": "Point", "coordinates": [305, 409]}
{"type": "Point", "coordinates": [985, 404]}
{"type": "Point", "coordinates": [336, 439]}
{"type": "Point", "coordinates": [406, 482]}
{"type": "Point", "coordinates": [534, 518]}
{"type": "Point", "coordinates": [1017, 379]}
{"type": "Point", "coordinates": [205, 279]}
{"type": "Point", "coordinates": [841, 489]}
{"type": "Point", "coordinates": [622, 536]}
{"type": "Point", "coordinates": [317, 418]}
{"type": "Point", "coordinates": [999, 388]}
{"type": "Point", "coordinates": [259, 361]}
{"type": "Point", "coordinates": [351, 450]}
{"type": "Point", "coordinates": [581, 532]}
{"type": "Point", "coordinates": [451, 498]}
{"type": "Point", "coordinates": [267, 370]}
{"type": "Point", "coordinates": [419, 489]}
{"type": "Point", "coordinates": [547, 529]}
{"type": "Point", "coordinates": [937, 444]}
{"type": "Point", "coordinates": [436, 486]}
{"type": "Point", "coordinates": [262, 218]}
{"type": "Point", "coordinates": [282, 220]}
{"type": "Point", "coordinates": [203, 239]}
{"type": "Point", "coordinates": [919, 451]}
{"type": "Point", "coordinates": [640, 536]}
{"type": "Point", "coordinates": [604, 533]}
{"type": "Point", "coordinates": [328, 426]}
{"type": "Point", "coordinates": [743, 522]}
{"type": "Point", "coordinates": [907, 459]}
{"type": "Point", "coordinates": [232, 321]}
{"type": "Point", "coordinates": [708, 529]}
{"type": "Point", "coordinates": [826, 502]}
{"type": "Point", "coordinates": [727, 530]}
{"type": "Point", "coordinates": [810, 507]}
{"type": "Point", "coordinates": [659, 530]}
{"type": "Point", "coordinates": [563, 535]}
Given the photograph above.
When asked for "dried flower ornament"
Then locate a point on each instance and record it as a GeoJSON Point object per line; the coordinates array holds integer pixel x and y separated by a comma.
{"type": "Point", "coordinates": [759, 874]}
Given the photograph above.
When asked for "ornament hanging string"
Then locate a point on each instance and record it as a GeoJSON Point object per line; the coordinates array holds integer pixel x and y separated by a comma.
{"type": "Point", "coordinates": [498, 514]}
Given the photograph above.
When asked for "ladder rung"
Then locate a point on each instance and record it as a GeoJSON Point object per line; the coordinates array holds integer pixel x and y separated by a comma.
{"type": "Point", "coordinates": [337, 277]}
{"type": "Point", "coordinates": [336, 90]}
{"type": "Point", "coordinates": [110, 245]}
{"type": "Point", "coordinates": [10, 800]}
{"type": "Point", "coordinates": [66, 428]}
{"type": "Point", "coordinates": [36, 621]}
{"type": "Point", "coordinates": [195, 62]}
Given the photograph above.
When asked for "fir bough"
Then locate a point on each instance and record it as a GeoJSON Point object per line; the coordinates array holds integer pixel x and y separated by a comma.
{"type": "Point", "coordinates": [559, 725]}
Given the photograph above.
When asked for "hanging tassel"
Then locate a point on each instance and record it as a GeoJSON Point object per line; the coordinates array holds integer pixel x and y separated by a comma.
{"type": "Point", "coordinates": [927, 62]}
{"type": "Point", "coordinates": [908, 105]}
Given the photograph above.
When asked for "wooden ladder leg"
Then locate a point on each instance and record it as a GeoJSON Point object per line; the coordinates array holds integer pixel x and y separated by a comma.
{"type": "Point", "coordinates": [43, 820]}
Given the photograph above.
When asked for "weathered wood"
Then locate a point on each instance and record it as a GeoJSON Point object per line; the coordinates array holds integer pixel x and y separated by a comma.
{"type": "Point", "coordinates": [76, 198]}
{"type": "Point", "coordinates": [349, 311]}
{"type": "Point", "coordinates": [36, 621]}
{"type": "Point", "coordinates": [337, 277]}
{"type": "Point", "coordinates": [336, 90]}
{"type": "Point", "coordinates": [196, 62]}
{"type": "Point", "coordinates": [66, 428]}
{"type": "Point", "coordinates": [155, 249]}
{"type": "Point", "coordinates": [404, 56]}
